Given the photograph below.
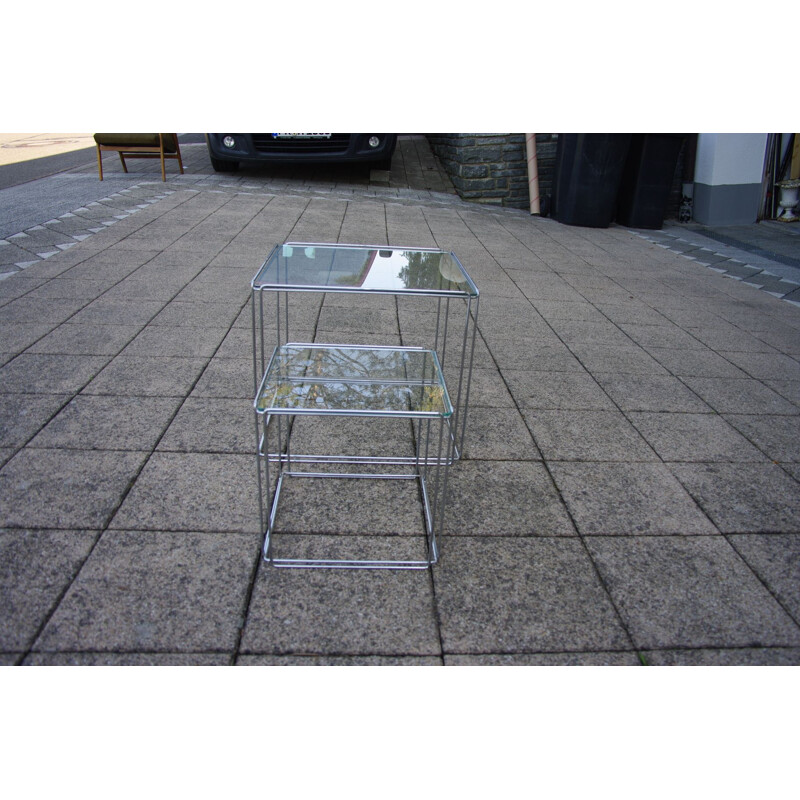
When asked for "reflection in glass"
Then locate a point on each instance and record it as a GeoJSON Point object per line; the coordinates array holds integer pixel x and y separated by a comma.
{"type": "Point", "coordinates": [346, 268]}
{"type": "Point", "coordinates": [358, 379]}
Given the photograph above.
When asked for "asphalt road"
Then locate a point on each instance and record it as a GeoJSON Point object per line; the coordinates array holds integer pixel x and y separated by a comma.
{"type": "Point", "coordinates": [41, 189]}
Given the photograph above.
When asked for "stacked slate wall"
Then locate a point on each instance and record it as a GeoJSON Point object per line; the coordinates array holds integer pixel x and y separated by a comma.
{"type": "Point", "coordinates": [493, 168]}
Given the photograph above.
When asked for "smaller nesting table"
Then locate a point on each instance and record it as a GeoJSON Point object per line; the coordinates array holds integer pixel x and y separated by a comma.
{"type": "Point", "coordinates": [350, 380]}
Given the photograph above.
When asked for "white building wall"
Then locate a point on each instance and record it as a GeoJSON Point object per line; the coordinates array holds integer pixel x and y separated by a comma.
{"type": "Point", "coordinates": [728, 172]}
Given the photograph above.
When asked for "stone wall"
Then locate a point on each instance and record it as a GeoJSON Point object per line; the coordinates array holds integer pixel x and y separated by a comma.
{"type": "Point", "coordinates": [493, 168]}
{"type": "Point", "coordinates": [485, 167]}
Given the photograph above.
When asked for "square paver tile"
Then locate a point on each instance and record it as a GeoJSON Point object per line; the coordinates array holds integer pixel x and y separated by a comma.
{"type": "Point", "coordinates": [695, 437]}
{"type": "Point", "coordinates": [695, 363]}
{"type": "Point", "coordinates": [504, 498]}
{"type": "Point", "coordinates": [36, 567]}
{"type": "Point", "coordinates": [102, 422]}
{"type": "Point", "coordinates": [777, 436]}
{"type": "Point", "coordinates": [209, 424]}
{"type": "Point", "coordinates": [64, 488]}
{"type": "Point", "coordinates": [601, 659]}
{"type": "Point", "coordinates": [618, 498]}
{"type": "Point", "coordinates": [744, 498]}
{"type": "Point", "coordinates": [740, 396]}
{"type": "Point", "coordinates": [561, 390]}
{"type": "Point", "coordinates": [342, 612]}
{"type": "Point", "coordinates": [650, 393]}
{"type": "Point", "coordinates": [498, 434]}
{"type": "Point", "coordinates": [170, 340]}
{"type": "Point", "coordinates": [728, 657]}
{"type": "Point", "coordinates": [31, 373]}
{"type": "Point", "coordinates": [156, 591]}
{"type": "Point", "coordinates": [689, 592]}
{"type": "Point", "coordinates": [622, 360]}
{"type": "Point", "coordinates": [127, 659]}
{"type": "Point", "coordinates": [146, 376]}
{"type": "Point", "coordinates": [23, 415]}
{"type": "Point", "coordinates": [85, 339]}
{"type": "Point", "coordinates": [193, 492]}
{"type": "Point", "coordinates": [227, 377]}
{"type": "Point", "coordinates": [587, 436]}
{"type": "Point", "coordinates": [503, 596]}
{"type": "Point", "coordinates": [775, 558]}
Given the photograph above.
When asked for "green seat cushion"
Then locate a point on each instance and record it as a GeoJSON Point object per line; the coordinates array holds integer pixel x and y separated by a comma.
{"type": "Point", "coordinates": [135, 140]}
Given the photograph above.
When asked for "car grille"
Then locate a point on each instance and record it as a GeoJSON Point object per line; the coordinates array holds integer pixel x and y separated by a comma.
{"type": "Point", "coordinates": [338, 143]}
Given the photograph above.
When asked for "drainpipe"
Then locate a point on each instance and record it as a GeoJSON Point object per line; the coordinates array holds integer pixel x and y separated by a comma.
{"type": "Point", "coordinates": [533, 172]}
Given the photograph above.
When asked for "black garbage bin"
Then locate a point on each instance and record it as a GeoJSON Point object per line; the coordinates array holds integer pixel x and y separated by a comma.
{"type": "Point", "coordinates": [647, 179]}
{"type": "Point", "coordinates": [587, 176]}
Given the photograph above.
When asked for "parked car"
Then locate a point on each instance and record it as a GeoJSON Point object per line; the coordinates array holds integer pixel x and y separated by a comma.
{"type": "Point", "coordinates": [227, 150]}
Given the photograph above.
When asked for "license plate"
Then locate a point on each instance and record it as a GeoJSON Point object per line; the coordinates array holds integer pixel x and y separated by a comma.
{"type": "Point", "coordinates": [301, 135]}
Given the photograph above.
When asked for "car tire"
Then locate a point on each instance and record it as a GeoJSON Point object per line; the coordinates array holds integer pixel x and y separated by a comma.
{"type": "Point", "coordinates": [224, 166]}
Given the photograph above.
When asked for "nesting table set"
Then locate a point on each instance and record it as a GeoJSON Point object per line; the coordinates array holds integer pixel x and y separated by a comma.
{"type": "Point", "coordinates": [320, 379]}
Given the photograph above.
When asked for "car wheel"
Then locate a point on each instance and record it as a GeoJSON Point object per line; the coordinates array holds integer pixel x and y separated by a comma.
{"type": "Point", "coordinates": [224, 166]}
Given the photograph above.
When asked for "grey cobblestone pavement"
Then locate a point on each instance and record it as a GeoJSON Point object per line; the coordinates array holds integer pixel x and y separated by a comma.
{"type": "Point", "coordinates": [630, 491]}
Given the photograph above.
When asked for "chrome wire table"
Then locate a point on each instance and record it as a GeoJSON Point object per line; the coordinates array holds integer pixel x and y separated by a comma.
{"type": "Point", "coordinates": [428, 279]}
{"type": "Point", "coordinates": [355, 381]}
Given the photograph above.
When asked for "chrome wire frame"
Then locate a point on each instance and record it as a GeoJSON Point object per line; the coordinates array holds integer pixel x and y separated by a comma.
{"type": "Point", "coordinates": [430, 472]}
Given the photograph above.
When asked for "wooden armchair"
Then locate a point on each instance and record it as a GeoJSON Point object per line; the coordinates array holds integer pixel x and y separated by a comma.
{"type": "Point", "coordinates": [139, 145]}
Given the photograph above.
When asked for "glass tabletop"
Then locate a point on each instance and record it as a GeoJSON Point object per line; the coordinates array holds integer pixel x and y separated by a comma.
{"type": "Point", "coordinates": [350, 379]}
{"type": "Point", "coordinates": [362, 268]}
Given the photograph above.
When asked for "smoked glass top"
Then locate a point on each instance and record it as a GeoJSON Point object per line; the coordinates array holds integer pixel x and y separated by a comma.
{"type": "Point", "coordinates": [348, 379]}
{"type": "Point", "coordinates": [358, 268]}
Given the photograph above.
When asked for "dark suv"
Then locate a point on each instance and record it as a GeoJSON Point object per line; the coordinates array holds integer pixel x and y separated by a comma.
{"type": "Point", "coordinates": [228, 149]}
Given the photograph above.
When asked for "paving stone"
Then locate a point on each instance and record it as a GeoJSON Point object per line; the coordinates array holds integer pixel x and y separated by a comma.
{"type": "Point", "coordinates": [31, 310]}
{"type": "Point", "coordinates": [143, 376]}
{"type": "Point", "coordinates": [17, 336]}
{"type": "Point", "coordinates": [36, 373]}
{"type": "Point", "coordinates": [341, 612]}
{"type": "Point", "coordinates": [105, 311]}
{"type": "Point", "coordinates": [227, 377]}
{"type": "Point", "coordinates": [740, 396]}
{"type": "Point", "coordinates": [650, 393]}
{"type": "Point", "coordinates": [676, 592]}
{"type": "Point", "coordinates": [77, 339]}
{"type": "Point", "coordinates": [696, 363]}
{"type": "Point", "coordinates": [127, 659]}
{"type": "Point", "coordinates": [776, 366]}
{"type": "Point", "coordinates": [695, 437]}
{"type": "Point", "coordinates": [155, 591]}
{"type": "Point", "coordinates": [777, 436]}
{"type": "Point", "coordinates": [192, 492]}
{"type": "Point", "coordinates": [744, 498]}
{"type": "Point", "coordinates": [504, 596]}
{"type": "Point", "coordinates": [586, 436]}
{"type": "Point", "coordinates": [36, 567]}
{"type": "Point", "coordinates": [211, 425]}
{"type": "Point", "coordinates": [622, 360]}
{"type": "Point", "coordinates": [22, 416]}
{"type": "Point", "coordinates": [627, 499]}
{"type": "Point", "coordinates": [730, 657]}
{"type": "Point", "coordinates": [169, 341]}
{"type": "Point", "coordinates": [96, 422]}
{"type": "Point", "coordinates": [64, 488]}
{"type": "Point", "coordinates": [498, 434]}
{"type": "Point", "coordinates": [191, 315]}
{"type": "Point", "coordinates": [775, 558]}
{"type": "Point", "coordinates": [602, 659]}
{"type": "Point", "coordinates": [338, 661]}
{"type": "Point", "coordinates": [504, 498]}
{"type": "Point", "coordinates": [556, 390]}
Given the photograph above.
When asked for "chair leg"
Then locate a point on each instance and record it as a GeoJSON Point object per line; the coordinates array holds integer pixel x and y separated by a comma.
{"type": "Point", "coordinates": [122, 159]}
{"type": "Point", "coordinates": [100, 162]}
{"type": "Point", "coordinates": [178, 152]}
